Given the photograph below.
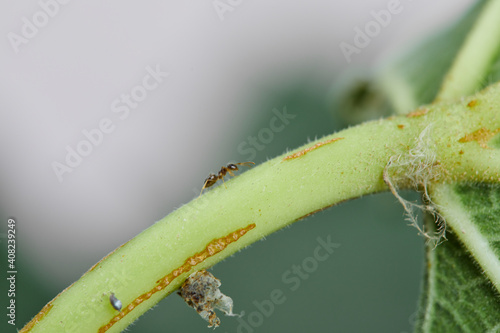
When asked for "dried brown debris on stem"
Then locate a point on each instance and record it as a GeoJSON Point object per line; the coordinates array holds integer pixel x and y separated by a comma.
{"type": "Point", "coordinates": [417, 169]}
{"type": "Point", "coordinates": [201, 292]}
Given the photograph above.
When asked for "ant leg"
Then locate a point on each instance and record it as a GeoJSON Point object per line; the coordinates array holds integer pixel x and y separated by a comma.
{"type": "Point", "coordinates": [247, 164]}
{"type": "Point", "coordinates": [204, 186]}
{"type": "Point", "coordinates": [223, 182]}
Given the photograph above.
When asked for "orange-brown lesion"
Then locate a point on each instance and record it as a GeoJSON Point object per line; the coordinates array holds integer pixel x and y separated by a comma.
{"type": "Point", "coordinates": [482, 136]}
{"type": "Point", "coordinates": [417, 113]}
{"type": "Point", "coordinates": [49, 305]}
{"type": "Point", "coordinates": [109, 254]}
{"type": "Point", "coordinates": [472, 103]}
{"type": "Point", "coordinates": [314, 212]}
{"type": "Point", "coordinates": [305, 151]}
{"type": "Point", "coordinates": [214, 247]}
{"type": "Point", "coordinates": [320, 209]}
{"type": "Point", "coordinates": [38, 317]}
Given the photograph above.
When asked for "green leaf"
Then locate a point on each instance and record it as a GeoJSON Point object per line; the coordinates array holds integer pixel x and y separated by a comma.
{"type": "Point", "coordinates": [457, 295]}
{"type": "Point", "coordinates": [473, 212]}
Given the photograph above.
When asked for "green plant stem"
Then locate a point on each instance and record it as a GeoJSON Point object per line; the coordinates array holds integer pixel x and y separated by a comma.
{"type": "Point", "coordinates": [476, 56]}
{"type": "Point", "coordinates": [270, 196]}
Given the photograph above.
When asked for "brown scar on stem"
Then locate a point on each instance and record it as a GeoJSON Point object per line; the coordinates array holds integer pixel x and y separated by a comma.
{"type": "Point", "coordinates": [417, 113]}
{"type": "Point", "coordinates": [482, 136]}
{"type": "Point", "coordinates": [305, 151]}
{"type": "Point", "coordinates": [472, 103]}
{"type": "Point", "coordinates": [38, 317]}
{"type": "Point", "coordinates": [100, 261]}
{"type": "Point", "coordinates": [49, 305]}
{"type": "Point", "coordinates": [314, 212]}
{"type": "Point", "coordinates": [321, 209]}
{"type": "Point", "coordinates": [214, 247]}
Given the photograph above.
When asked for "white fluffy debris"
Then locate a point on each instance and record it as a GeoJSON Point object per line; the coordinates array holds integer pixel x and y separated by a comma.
{"type": "Point", "coordinates": [201, 292]}
{"type": "Point", "coordinates": [416, 169]}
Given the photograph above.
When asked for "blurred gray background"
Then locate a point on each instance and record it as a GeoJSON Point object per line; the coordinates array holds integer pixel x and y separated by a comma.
{"type": "Point", "coordinates": [229, 64]}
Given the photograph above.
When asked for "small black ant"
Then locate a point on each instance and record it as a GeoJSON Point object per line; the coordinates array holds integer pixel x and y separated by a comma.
{"type": "Point", "coordinates": [213, 178]}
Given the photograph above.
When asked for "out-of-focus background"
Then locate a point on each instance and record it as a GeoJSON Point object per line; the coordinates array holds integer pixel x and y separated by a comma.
{"type": "Point", "coordinates": [113, 114]}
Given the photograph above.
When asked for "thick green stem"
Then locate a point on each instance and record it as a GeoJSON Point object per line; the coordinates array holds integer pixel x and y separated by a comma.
{"type": "Point", "coordinates": [265, 199]}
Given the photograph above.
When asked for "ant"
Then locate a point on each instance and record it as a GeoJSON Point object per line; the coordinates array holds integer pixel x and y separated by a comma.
{"type": "Point", "coordinates": [213, 178]}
